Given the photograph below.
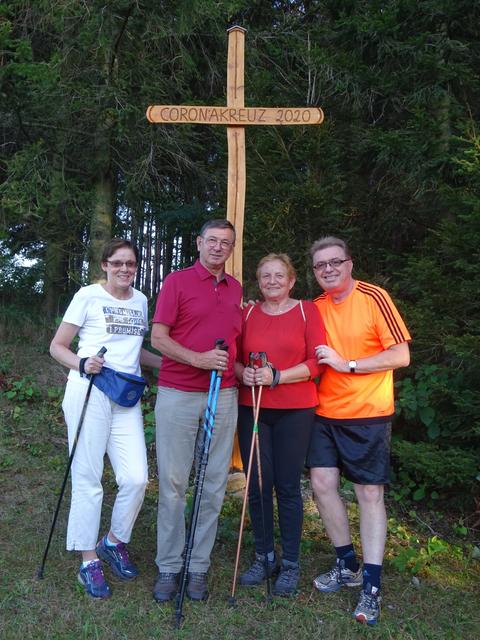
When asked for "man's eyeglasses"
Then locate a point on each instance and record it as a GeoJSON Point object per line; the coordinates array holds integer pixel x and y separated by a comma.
{"type": "Point", "coordinates": [335, 263]}
{"type": "Point", "coordinates": [212, 242]}
{"type": "Point", "coordinates": [118, 264]}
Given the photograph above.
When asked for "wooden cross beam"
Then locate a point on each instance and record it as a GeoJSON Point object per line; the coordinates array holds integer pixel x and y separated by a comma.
{"type": "Point", "coordinates": [236, 117]}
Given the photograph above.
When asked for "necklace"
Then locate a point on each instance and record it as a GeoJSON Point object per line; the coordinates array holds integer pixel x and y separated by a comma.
{"type": "Point", "coordinates": [289, 304]}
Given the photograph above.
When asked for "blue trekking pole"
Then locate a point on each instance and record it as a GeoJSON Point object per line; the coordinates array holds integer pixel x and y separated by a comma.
{"type": "Point", "coordinates": [208, 425]}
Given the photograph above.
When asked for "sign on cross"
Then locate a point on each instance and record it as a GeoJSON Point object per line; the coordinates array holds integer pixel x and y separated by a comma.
{"type": "Point", "coordinates": [236, 117]}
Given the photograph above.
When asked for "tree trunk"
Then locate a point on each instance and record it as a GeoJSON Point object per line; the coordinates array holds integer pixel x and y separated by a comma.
{"type": "Point", "coordinates": [101, 224]}
{"type": "Point", "coordinates": [54, 279]}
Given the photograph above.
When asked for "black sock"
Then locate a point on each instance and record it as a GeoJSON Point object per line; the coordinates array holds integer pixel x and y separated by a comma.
{"type": "Point", "coordinates": [347, 554]}
{"type": "Point", "coordinates": [371, 576]}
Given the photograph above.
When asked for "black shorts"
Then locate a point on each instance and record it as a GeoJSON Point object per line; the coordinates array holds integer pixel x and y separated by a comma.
{"type": "Point", "coordinates": [361, 452]}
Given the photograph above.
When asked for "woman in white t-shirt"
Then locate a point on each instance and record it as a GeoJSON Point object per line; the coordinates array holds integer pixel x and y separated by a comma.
{"type": "Point", "coordinates": [113, 315]}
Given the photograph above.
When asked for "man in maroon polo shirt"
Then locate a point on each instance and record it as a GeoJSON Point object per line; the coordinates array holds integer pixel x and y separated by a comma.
{"type": "Point", "coordinates": [196, 306]}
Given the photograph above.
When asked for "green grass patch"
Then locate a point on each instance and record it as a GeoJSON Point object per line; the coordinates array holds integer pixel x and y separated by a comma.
{"type": "Point", "coordinates": [430, 588]}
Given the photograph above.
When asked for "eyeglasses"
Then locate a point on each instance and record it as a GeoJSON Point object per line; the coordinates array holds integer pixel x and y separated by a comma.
{"type": "Point", "coordinates": [212, 242]}
{"type": "Point", "coordinates": [335, 263]}
{"type": "Point", "coordinates": [118, 264]}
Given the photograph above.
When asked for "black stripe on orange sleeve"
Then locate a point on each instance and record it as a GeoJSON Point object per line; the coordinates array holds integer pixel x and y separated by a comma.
{"type": "Point", "coordinates": [385, 309]}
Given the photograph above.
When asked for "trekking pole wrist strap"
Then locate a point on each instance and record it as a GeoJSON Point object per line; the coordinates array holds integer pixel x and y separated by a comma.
{"type": "Point", "coordinates": [81, 367]}
{"type": "Point", "coordinates": [275, 376]}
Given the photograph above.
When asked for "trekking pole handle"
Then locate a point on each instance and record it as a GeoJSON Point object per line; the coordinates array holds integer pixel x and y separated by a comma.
{"type": "Point", "coordinates": [221, 344]}
{"type": "Point", "coordinates": [81, 366]}
{"type": "Point", "coordinates": [257, 355]}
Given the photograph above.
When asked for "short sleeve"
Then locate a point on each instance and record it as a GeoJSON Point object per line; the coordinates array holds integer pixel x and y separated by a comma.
{"type": "Point", "coordinates": [314, 335]}
{"type": "Point", "coordinates": [390, 326]}
{"type": "Point", "coordinates": [77, 310]}
{"type": "Point", "coordinates": [166, 309]}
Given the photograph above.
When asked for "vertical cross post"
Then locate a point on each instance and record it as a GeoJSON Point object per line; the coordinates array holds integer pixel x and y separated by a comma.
{"type": "Point", "coordinates": [237, 171]}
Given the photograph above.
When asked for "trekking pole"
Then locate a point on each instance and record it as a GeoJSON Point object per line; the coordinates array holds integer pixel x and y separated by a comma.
{"type": "Point", "coordinates": [256, 408]}
{"type": "Point", "coordinates": [268, 583]}
{"type": "Point", "coordinates": [208, 425]}
{"type": "Point", "coordinates": [67, 470]}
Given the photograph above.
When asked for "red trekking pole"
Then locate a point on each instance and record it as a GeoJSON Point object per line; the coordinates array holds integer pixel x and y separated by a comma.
{"type": "Point", "coordinates": [254, 447]}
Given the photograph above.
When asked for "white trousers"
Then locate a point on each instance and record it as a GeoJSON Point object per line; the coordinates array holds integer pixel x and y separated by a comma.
{"type": "Point", "coordinates": [117, 431]}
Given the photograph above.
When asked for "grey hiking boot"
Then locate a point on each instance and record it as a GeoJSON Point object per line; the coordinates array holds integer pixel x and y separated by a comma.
{"type": "Point", "coordinates": [339, 576]}
{"type": "Point", "coordinates": [368, 607]}
{"type": "Point", "coordinates": [197, 586]}
{"type": "Point", "coordinates": [287, 581]}
{"type": "Point", "coordinates": [166, 587]}
{"type": "Point", "coordinates": [256, 574]}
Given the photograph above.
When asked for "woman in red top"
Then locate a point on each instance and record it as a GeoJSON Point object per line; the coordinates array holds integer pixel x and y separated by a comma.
{"type": "Point", "coordinates": [287, 330]}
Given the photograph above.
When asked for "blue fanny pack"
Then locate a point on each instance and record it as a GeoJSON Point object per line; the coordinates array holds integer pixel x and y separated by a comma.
{"type": "Point", "coordinates": [123, 388]}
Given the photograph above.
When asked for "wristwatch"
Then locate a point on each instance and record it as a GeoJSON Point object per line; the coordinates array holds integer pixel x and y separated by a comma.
{"type": "Point", "coordinates": [352, 364]}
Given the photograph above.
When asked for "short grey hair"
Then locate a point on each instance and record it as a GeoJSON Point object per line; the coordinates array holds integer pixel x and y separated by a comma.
{"type": "Point", "coordinates": [329, 241]}
{"type": "Point", "coordinates": [218, 223]}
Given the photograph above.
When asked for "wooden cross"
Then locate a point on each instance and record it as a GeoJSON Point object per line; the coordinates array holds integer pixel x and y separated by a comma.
{"type": "Point", "coordinates": [236, 117]}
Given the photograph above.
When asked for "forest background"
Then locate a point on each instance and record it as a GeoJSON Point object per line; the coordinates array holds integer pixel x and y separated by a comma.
{"type": "Point", "coordinates": [394, 169]}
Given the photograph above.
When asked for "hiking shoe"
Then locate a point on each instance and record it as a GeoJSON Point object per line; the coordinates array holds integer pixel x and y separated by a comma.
{"type": "Point", "coordinates": [118, 559]}
{"type": "Point", "coordinates": [256, 574]}
{"type": "Point", "coordinates": [339, 576]}
{"type": "Point", "coordinates": [166, 587]}
{"type": "Point", "coordinates": [93, 580]}
{"type": "Point", "coordinates": [197, 586]}
{"type": "Point", "coordinates": [368, 607]}
{"type": "Point", "coordinates": [287, 581]}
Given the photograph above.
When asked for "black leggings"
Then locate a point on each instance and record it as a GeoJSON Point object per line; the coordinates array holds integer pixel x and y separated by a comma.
{"type": "Point", "coordinates": [284, 436]}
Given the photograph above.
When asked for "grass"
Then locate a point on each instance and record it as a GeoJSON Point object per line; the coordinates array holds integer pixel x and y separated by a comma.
{"type": "Point", "coordinates": [440, 602]}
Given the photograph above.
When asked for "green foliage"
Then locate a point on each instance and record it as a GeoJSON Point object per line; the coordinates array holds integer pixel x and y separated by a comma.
{"type": "Point", "coordinates": [21, 391]}
{"type": "Point", "coordinates": [18, 283]}
{"type": "Point", "coordinates": [425, 471]}
{"type": "Point", "coordinates": [18, 322]}
{"type": "Point", "coordinates": [459, 527]}
{"type": "Point", "coordinates": [444, 393]}
{"type": "Point", "coordinates": [6, 462]}
{"type": "Point", "coordinates": [417, 557]}
{"type": "Point", "coordinates": [230, 523]}
{"type": "Point", "coordinates": [428, 397]}
{"type": "Point", "coordinates": [414, 400]}
{"type": "Point", "coordinates": [6, 363]}
{"type": "Point", "coordinates": [148, 409]}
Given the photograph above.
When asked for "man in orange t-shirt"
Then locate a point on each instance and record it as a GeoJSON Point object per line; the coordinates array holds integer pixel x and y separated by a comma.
{"type": "Point", "coordinates": [366, 340]}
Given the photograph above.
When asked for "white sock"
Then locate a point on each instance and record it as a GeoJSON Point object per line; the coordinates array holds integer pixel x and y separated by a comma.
{"type": "Point", "coordinates": [85, 563]}
{"type": "Point", "coordinates": [110, 544]}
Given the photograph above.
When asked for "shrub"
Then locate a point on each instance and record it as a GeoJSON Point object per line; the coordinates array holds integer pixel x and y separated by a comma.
{"type": "Point", "coordinates": [424, 470]}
